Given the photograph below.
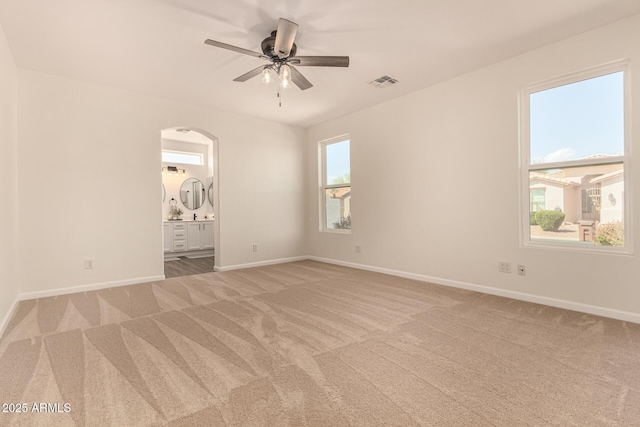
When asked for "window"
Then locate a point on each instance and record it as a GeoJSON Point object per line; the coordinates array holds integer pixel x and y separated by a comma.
{"type": "Point", "coordinates": [336, 184]}
{"type": "Point", "coordinates": [575, 160]}
{"type": "Point", "coordinates": [169, 156]}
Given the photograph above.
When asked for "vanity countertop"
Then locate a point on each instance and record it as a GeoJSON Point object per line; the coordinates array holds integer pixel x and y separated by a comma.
{"type": "Point", "coordinates": [189, 220]}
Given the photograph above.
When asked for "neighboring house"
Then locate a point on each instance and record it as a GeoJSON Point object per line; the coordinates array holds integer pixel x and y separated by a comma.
{"type": "Point", "coordinates": [582, 193]}
{"type": "Point", "coordinates": [338, 204]}
{"type": "Point", "coordinates": [611, 196]}
{"type": "Point", "coordinates": [551, 193]}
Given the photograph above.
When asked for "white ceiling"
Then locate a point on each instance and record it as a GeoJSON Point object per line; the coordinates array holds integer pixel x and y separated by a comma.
{"type": "Point", "coordinates": [156, 47]}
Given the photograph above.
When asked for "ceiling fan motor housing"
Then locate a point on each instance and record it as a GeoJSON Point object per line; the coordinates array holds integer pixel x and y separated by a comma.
{"type": "Point", "coordinates": [268, 45]}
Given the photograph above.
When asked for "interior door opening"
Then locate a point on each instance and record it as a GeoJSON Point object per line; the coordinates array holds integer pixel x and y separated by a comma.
{"type": "Point", "coordinates": [190, 220]}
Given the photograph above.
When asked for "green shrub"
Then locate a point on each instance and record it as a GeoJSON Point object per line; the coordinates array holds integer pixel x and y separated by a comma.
{"type": "Point", "coordinates": [343, 223]}
{"type": "Point", "coordinates": [532, 218]}
{"type": "Point", "coordinates": [549, 220]}
{"type": "Point", "coordinates": [611, 234]}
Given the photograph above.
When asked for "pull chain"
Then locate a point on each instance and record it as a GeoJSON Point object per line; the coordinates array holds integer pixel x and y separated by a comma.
{"type": "Point", "coordinates": [279, 98]}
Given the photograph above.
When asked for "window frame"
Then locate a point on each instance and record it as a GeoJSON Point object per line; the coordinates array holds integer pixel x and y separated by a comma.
{"type": "Point", "coordinates": [324, 186]}
{"type": "Point", "coordinates": [526, 166]}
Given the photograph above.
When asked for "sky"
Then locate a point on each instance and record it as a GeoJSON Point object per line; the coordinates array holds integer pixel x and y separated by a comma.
{"type": "Point", "coordinates": [578, 120]}
{"type": "Point", "coordinates": [338, 160]}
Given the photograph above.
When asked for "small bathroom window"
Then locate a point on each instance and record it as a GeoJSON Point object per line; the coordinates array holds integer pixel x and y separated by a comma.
{"type": "Point", "coordinates": [184, 157]}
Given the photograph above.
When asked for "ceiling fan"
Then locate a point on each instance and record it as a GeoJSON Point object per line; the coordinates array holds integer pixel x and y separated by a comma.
{"type": "Point", "coordinates": [280, 50]}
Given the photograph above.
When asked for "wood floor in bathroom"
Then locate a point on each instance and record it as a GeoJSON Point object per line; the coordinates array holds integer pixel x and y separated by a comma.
{"type": "Point", "coordinates": [187, 266]}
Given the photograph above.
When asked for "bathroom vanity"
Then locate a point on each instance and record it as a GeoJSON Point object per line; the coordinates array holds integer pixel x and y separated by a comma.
{"type": "Point", "coordinates": [188, 238]}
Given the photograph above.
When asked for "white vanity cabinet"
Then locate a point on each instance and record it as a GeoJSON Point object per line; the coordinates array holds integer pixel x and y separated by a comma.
{"type": "Point", "coordinates": [200, 235]}
{"type": "Point", "coordinates": [193, 234]}
{"type": "Point", "coordinates": [206, 237]}
{"type": "Point", "coordinates": [188, 237]}
{"type": "Point", "coordinates": [179, 237]}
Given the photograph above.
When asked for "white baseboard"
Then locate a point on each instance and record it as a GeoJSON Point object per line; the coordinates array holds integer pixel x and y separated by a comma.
{"type": "Point", "coordinates": [90, 287]}
{"type": "Point", "coordinates": [261, 263]}
{"type": "Point", "coordinates": [626, 316]}
{"type": "Point", "coordinates": [8, 316]}
{"type": "Point", "coordinates": [553, 302]}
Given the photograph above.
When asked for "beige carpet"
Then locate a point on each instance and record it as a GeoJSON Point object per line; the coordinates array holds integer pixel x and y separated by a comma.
{"type": "Point", "coordinates": [308, 343]}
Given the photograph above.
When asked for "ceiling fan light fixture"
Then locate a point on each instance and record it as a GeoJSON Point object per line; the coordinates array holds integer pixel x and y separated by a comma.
{"type": "Point", "coordinates": [285, 76]}
{"type": "Point", "coordinates": [266, 75]}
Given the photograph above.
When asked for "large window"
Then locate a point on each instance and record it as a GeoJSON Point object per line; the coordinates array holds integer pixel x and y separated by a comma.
{"type": "Point", "coordinates": [575, 160]}
{"type": "Point", "coordinates": [336, 184]}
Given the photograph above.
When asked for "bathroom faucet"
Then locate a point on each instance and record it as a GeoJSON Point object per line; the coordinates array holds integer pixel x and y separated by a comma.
{"type": "Point", "coordinates": [194, 217]}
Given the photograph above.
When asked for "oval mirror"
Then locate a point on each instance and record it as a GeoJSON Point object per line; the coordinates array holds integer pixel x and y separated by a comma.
{"type": "Point", "coordinates": [210, 194]}
{"type": "Point", "coordinates": [192, 193]}
{"type": "Point", "coordinates": [164, 193]}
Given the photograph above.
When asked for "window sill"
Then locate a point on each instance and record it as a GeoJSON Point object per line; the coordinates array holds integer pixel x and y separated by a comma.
{"type": "Point", "coordinates": [335, 231]}
{"type": "Point", "coordinates": [582, 247]}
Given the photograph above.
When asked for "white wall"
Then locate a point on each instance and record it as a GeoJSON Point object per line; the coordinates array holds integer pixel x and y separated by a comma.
{"type": "Point", "coordinates": [555, 198]}
{"type": "Point", "coordinates": [572, 204]}
{"type": "Point", "coordinates": [9, 179]}
{"type": "Point", "coordinates": [420, 167]}
{"type": "Point", "coordinates": [82, 145]}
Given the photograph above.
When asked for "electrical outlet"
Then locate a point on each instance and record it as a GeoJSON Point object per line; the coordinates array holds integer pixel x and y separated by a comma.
{"type": "Point", "coordinates": [522, 270]}
{"type": "Point", "coordinates": [358, 249]}
{"type": "Point", "coordinates": [255, 248]}
{"type": "Point", "coordinates": [88, 264]}
{"type": "Point", "coordinates": [504, 267]}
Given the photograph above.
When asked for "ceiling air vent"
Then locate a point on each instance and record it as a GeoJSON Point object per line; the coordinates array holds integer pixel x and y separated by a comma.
{"type": "Point", "coordinates": [383, 82]}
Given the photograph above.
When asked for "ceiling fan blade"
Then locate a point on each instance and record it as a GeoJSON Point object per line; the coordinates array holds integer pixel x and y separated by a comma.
{"type": "Point", "coordinates": [285, 36]}
{"type": "Point", "coordinates": [320, 61]}
{"type": "Point", "coordinates": [235, 49]}
{"type": "Point", "coordinates": [299, 79]}
{"type": "Point", "coordinates": [250, 74]}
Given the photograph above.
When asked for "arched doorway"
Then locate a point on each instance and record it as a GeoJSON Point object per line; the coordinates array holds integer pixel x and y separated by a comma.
{"type": "Point", "coordinates": [190, 201]}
